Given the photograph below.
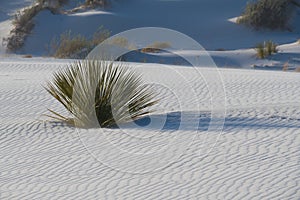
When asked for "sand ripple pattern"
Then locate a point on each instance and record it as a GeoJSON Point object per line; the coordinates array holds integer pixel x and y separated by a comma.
{"type": "Point", "coordinates": [256, 157]}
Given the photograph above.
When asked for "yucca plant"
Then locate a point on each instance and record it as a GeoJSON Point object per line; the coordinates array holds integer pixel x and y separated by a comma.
{"type": "Point", "coordinates": [271, 47]}
{"type": "Point", "coordinates": [265, 49]}
{"type": "Point", "coordinates": [260, 51]}
{"type": "Point", "coordinates": [100, 93]}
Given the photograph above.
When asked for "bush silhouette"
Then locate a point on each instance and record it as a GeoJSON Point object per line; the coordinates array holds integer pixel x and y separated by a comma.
{"type": "Point", "coordinates": [271, 14]}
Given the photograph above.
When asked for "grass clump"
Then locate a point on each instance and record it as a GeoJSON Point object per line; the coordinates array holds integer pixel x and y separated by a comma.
{"type": "Point", "coordinates": [271, 14]}
{"type": "Point", "coordinates": [271, 47]}
{"type": "Point", "coordinates": [96, 3]}
{"type": "Point", "coordinates": [156, 47]}
{"type": "Point", "coordinates": [120, 41]}
{"type": "Point", "coordinates": [265, 49]}
{"type": "Point", "coordinates": [99, 36]}
{"type": "Point", "coordinates": [100, 93]}
{"type": "Point", "coordinates": [70, 45]}
{"type": "Point", "coordinates": [285, 67]}
{"type": "Point", "coordinates": [53, 5]}
{"type": "Point", "coordinates": [297, 69]}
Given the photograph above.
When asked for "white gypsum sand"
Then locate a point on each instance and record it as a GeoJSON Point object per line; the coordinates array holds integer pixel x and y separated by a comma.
{"type": "Point", "coordinates": [256, 157]}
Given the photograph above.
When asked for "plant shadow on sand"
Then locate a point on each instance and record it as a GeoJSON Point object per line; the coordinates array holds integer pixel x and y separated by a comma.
{"type": "Point", "coordinates": [172, 122]}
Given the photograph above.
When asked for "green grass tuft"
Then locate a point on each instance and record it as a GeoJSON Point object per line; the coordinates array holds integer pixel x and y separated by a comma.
{"type": "Point", "coordinates": [265, 49]}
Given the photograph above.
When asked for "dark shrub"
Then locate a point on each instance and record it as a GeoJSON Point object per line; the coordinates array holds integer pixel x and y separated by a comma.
{"type": "Point", "coordinates": [271, 14]}
{"type": "Point", "coordinates": [23, 22]}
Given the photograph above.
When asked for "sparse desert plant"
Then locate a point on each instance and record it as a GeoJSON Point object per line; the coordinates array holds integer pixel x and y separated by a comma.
{"type": "Point", "coordinates": [271, 14]}
{"type": "Point", "coordinates": [270, 47]}
{"type": "Point", "coordinates": [274, 48]}
{"type": "Point", "coordinates": [114, 93]}
{"type": "Point", "coordinates": [95, 3]}
{"type": "Point", "coordinates": [260, 51]}
{"type": "Point", "coordinates": [156, 47]}
{"type": "Point", "coordinates": [120, 41]}
{"type": "Point", "coordinates": [52, 5]}
{"type": "Point", "coordinates": [69, 45]}
{"type": "Point", "coordinates": [23, 22]}
{"type": "Point", "coordinates": [23, 17]}
{"type": "Point", "coordinates": [285, 67]}
{"type": "Point", "coordinates": [265, 49]}
{"type": "Point", "coordinates": [27, 56]}
{"type": "Point", "coordinates": [99, 36]}
{"type": "Point", "coordinates": [297, 69]}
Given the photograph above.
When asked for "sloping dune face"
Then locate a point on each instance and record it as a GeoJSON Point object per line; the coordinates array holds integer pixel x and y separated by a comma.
{"type": "Point", "coordinates": [255, 157]}
{"type": "Point", "coordinates": [205, 21]}
{"type": "Point", "coordinates": [7, 10]}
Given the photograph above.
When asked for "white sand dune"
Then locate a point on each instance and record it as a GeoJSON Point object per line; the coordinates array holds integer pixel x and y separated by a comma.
{"type": "Point", "coordinates": [178, 154]}
{"type": "Point", "coordinates": [208, 22]}
{"type": "Point", "coordinates": [240, 58]}
{"type": "Point", "coordinates": [255, 157]}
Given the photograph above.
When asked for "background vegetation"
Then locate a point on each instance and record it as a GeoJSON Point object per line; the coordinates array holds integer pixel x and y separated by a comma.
{"type": "Point", "coordinates": [23, 25]}
{"type": "Point", "coordinates": [70, 45]}
{"type": "Point", "coordinates": [265, 49]}
{"type": "Point", "coordinates": [271, 14]}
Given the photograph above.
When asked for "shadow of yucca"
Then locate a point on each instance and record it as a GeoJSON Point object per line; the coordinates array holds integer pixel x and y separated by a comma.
{"type": "Point", "coordinates": [177, 121]}
{"type": "Point", "coordinates": [173, 121]}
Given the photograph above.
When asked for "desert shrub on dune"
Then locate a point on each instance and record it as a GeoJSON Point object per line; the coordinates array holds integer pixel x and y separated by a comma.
{"type": "Point", "coordinates": [120, 41]}
{"type": "Point", "coordinates": [285, 67]}
{"type": "Point", "coordinates": [270, 47]}
{"type": "Point", "coordinates": [271, 14]}
{"type": "Point", "coordinates": [156, 47]}
{"type": "Point", "coordinates": [95, 3]}
{"type": "Point", "coordinates": [260, 51]}
{"type": "Point", "coordinates": [23, 25]}
{"type": "Point", "coordinates": [265, 49]}
{"type": "Point", "coordinates": [71, 45]}
{"type": "Point", "coordinates": [22, 18]}
{"type": "Point", "coordinates": [99, 36]}
{"type": "Point", "coordinates": [24, 22]}
{"type": "Point", "coordinates": [53, 5]}
{"type": "Point", "coordinates": [297, 69]}
{"type": "Point", "coordinates": [68, 45]}
{"type": "Point", "coordinates": [113, 93]}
